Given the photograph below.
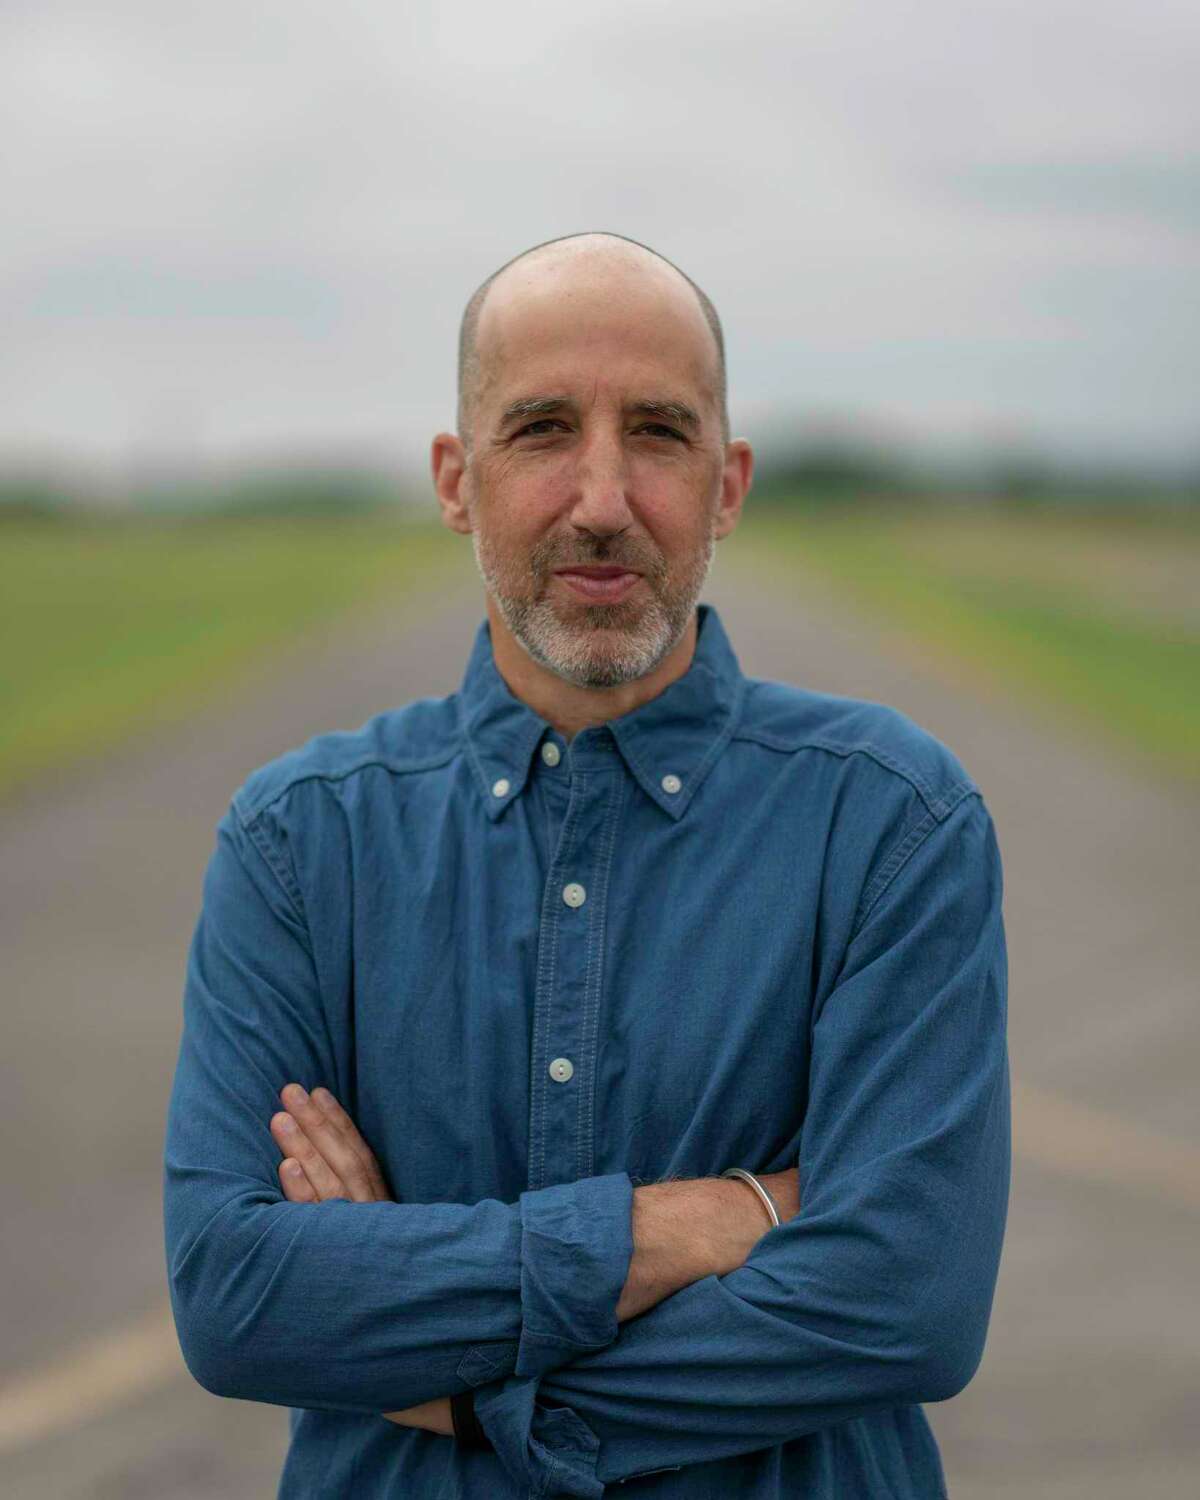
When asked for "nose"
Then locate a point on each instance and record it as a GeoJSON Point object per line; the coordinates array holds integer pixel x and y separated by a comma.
{"type": "Point", "coordinates": [600, 503]}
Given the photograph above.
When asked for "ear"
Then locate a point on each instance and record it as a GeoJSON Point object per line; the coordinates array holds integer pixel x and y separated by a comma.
{"type": "Point", "coordinates": [448, 459]}
{"type": "Point", "coordinates": [736, 478]}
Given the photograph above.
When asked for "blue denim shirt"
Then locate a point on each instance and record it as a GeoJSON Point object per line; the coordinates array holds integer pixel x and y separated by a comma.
{"type": "Point", "coordinates": [744, 924]}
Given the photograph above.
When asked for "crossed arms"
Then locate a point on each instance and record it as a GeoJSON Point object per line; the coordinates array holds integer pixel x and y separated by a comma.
{"type": "Point", "coordinates": [682, 1231]}
{"type": "Point", "coordinates": [876, 1294]}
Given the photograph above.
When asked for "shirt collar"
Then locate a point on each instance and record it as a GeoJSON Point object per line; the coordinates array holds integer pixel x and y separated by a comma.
{"type": "Point", "coordinates": [669, 744]}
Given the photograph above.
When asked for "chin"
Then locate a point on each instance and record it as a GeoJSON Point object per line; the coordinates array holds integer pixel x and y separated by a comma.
{"type": "Point", "coordinates": [626, 660]}
{"type": "Point", "coordinates": [623, 617]}
{"type": "Point", "coordinates": [599, 674]}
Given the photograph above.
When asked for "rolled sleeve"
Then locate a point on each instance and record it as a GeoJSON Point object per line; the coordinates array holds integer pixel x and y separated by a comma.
{"type": "Point", "coordinates": [576, 1246]}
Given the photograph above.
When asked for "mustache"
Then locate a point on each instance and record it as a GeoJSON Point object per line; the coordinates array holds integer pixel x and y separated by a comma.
{"type": "Point", "coordinates": [610, 552]}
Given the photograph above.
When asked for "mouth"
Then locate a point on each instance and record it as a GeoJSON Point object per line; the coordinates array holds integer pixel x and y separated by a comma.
{"type": "Point", "coordinates": [599, 583]}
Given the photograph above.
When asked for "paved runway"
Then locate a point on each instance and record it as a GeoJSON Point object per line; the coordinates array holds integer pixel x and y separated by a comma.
{"type": "Point", "coordinates": [1089, 1386]}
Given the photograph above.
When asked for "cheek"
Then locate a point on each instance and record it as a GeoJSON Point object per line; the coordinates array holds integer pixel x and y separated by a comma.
{"type": "Point", "coordinates": [516, 532]}
{"type": "Point", "coordinates": [522, 499]}
{"type": "Point", "coordinates": [677, 494]}
{"type": "Point", "coordinates": [677, 518]}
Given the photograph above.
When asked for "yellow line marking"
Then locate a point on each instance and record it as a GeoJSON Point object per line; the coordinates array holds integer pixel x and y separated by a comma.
{"type": "Point", "coordinates": [1079, 1141]}
{"type": "Point", "coordinates": [91, 1379]}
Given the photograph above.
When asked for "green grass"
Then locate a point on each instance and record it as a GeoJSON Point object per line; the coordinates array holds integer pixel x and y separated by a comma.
{"type": "Point", "coordinates": [108, 627]}
{"type": "Point", "coordinates": [1095, 617]}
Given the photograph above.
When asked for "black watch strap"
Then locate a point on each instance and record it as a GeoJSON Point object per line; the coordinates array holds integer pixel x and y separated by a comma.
{"type": "Point", "coordinates": [466, 1424]}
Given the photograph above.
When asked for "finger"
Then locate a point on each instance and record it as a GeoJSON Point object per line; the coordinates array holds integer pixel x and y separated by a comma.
{"type": "Point", "coordinates": [294, 1142]}
{"type": "Point", "coordinates": [296, 1186]}
{"type": "Point", "coordinates": [329, 1142]}
{"type": "Point", "coordinates": [333, 1135]}
{"type": "Point", "coordinates": [338, 1117]}
{"type": "Point", "coordinates": [294, 1145]}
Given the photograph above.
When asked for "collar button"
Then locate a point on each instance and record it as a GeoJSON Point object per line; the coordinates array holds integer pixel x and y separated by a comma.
{"type": "Point", "coordinates": [671, 784]}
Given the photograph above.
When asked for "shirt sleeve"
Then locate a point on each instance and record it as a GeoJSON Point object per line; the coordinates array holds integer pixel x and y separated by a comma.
{"type": "Point", "coordinates": [343, 1306]}
{"type": "Point", "coordinates": [878, 1293]}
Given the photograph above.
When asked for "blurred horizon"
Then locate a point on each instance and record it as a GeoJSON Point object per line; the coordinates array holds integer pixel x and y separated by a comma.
{"type": "Point", "coordinates": [837, 468]}
{"type": "Point", "coordinates": [821, 462]}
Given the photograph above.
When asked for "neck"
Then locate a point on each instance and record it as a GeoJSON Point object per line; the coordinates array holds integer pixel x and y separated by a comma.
{"type": "Point", "coordinates": [568, 707]}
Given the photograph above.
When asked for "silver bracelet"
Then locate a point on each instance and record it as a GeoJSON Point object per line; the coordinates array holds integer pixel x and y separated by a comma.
{"type": "Point", "coordinates": [751, 1181]}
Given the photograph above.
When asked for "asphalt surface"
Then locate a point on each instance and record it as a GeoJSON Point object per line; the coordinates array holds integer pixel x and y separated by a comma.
{"type": "Point", "coordinates": [1089, 1386]}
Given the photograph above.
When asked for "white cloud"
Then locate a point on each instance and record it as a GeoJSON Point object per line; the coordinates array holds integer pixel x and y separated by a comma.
{"type": "Point", "coordinates": [257, 224]}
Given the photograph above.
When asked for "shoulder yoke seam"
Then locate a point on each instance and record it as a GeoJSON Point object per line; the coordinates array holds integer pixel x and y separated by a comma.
{"type": "Point", "coordinates": [940, 807]}
{"type": "Point", "coordinates": [396, 768]}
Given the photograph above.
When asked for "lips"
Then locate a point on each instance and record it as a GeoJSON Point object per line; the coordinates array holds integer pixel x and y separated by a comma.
{"type": "Point", "coordinates": [606, 583]}
{"type": "Point", "coordinates": [597, 570]}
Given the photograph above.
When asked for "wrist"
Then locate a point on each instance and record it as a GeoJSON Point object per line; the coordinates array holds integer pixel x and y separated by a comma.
{"type": "Point", "coordinates": [734, 1223]}
{"type": "Point", "coordinates": [760, 1191]}
{"type": "Point", "coordinates": [684, 1231]}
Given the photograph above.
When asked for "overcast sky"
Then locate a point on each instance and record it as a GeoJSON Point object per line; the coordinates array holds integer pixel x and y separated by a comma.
{"type": "Point", "coordinates": [238, 228]}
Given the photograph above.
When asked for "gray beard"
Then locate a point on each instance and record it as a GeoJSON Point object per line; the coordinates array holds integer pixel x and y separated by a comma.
{"type": "Point", "coordinates": [610, 644]}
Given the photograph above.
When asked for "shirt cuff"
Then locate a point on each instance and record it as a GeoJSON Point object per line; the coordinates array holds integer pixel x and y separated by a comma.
{"type": "Point", "coordinates": [576, 1246]}
{"type": "Point", "coordinates": [547, 1450]}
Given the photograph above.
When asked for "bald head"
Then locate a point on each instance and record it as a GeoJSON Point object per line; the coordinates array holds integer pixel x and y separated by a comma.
{"type": "Point", "coordinates": [578, 259]}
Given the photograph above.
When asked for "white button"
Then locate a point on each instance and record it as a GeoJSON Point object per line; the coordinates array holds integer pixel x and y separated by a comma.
{"type": "Point", "coordinates": [574, 894]}
{"type": "Point", "coordinates": [672, 784]}
{"type": "Point", "coordinates": [551, 754]}
{"type": "Point", "coordinates": [501, 788]}
{"type": "Point", "coordinates": [561, 1069]}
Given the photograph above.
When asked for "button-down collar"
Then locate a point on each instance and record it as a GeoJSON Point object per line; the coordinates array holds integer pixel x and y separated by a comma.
{"type": "Point", "coordinates": [676, 736]}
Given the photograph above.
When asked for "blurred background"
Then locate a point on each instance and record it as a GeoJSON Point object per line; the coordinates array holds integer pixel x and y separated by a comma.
{"type": "Point", "coordinates": [956, 253]}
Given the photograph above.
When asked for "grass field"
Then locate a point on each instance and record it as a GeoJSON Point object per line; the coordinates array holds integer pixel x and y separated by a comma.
{"type": "Point", "coordinates": [1097, 617]}
{"type": "Point", "coordinates": [106, 628]}
{"type": "Point", "coordinates": [109, 627]}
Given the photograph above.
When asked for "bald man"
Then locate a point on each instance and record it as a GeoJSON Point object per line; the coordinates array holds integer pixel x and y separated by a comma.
{"type": "Point", "coordinates": [653, 1015]}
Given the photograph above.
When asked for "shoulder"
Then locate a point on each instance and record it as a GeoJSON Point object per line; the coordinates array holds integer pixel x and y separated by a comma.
{"type": "Point", "coordinates": [419, 736]}
{"type": "Point", "coordinates": [881, 741]}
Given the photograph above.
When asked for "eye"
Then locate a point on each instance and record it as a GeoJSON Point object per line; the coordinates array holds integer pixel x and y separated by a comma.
{"type": "Point", "coordinates": [541, 428]}
{"type": "Point", "coordinates": [659, 429]}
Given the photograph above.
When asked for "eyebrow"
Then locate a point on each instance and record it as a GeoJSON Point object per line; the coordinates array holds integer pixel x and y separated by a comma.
{"type": "Point", "coordinates": [543, 406]}
{"type": "Point", "coordinates": [532, 406]}
{"type": "Point", "coordinates": [672, 411]}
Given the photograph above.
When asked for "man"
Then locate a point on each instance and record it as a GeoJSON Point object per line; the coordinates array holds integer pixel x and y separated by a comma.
{"type": "Point", "coordinates": [565, 946]}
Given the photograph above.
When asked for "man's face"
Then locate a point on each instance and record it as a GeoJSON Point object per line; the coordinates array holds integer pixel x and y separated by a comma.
{"type": "Point", "coordinates": [597, 446]}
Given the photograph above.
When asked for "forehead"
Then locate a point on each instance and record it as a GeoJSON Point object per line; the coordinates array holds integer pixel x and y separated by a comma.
{"type": "Point", "coordinates": [588, 326]}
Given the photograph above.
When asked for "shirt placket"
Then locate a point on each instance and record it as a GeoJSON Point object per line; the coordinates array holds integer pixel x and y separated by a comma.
{"type": "Point", "coordinates": [570, 969]}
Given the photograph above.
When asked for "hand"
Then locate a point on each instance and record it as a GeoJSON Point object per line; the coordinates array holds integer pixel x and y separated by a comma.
{"type": "Point", "coordinates": [324, 1155]}
{"type": "Point", "coordinates": [433, 1416]}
